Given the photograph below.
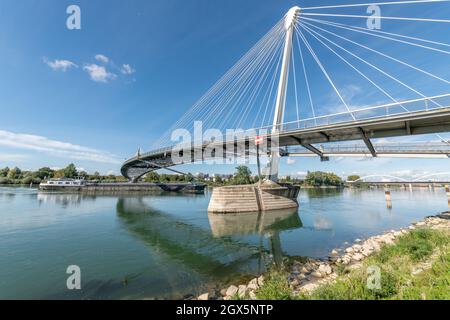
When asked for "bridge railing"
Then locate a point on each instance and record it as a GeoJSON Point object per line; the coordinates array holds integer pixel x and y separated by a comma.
{"type": "Point", "coordinates": [369, 113]}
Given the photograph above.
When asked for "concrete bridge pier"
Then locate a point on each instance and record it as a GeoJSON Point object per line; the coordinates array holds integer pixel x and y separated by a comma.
{"type": "Point", "coordinates": [260, 197]}
{"type": "Point", "coordinates": [447, 191]}
{"type": "Point", "coordinates": [388, 199]}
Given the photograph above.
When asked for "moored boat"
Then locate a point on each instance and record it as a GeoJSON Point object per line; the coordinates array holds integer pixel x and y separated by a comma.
{"type": "Point", "coordinates": [63, 184]}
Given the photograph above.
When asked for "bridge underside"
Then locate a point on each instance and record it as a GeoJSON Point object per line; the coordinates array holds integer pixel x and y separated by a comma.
{"type": "Point", "coordinates": [413, 123]}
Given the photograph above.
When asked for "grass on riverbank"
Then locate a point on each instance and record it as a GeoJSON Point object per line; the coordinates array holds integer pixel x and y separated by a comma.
{"type": "Point", "coordinates": [276, 287]}
{"type": "Point", "coordinates": [416, 267]}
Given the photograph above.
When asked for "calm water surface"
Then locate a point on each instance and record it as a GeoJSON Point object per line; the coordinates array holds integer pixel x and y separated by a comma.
{"type": "Point", "coordinates": [167, 246]}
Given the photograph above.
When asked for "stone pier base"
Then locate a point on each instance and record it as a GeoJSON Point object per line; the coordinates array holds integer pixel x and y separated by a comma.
{"type": "Point", "coordinates": [253, 198]}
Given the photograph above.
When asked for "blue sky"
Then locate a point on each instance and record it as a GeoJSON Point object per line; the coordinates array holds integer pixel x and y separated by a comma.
{"type": "Point", "coordinates": [92, 96]}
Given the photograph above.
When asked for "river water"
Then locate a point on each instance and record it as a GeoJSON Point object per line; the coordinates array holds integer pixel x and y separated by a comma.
{"type": "Point", "coordinates": [167, 246]}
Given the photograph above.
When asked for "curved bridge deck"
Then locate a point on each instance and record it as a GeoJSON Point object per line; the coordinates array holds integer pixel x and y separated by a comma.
{"type": "Point", "coordinates": [292, 134]}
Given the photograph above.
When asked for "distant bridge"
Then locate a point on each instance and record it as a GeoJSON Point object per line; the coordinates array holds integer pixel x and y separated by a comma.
{"type": "Point", "coordinates": [426, 179]}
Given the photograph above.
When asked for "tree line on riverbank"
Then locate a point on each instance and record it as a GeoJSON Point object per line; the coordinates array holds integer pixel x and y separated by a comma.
{"type": "Point", "coordinates": [242, 176]}
{"type": "Point", "coordinates": [26, 177]}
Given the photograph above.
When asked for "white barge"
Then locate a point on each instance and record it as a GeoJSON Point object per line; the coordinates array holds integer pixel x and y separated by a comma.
{"type": "Point", "coordinates": [78, 185]}
{"type": "Point", "coordinates": [63, 184]}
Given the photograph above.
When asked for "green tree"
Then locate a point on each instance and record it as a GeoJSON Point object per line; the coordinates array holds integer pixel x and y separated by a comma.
{"type": "Point", "coordinates": [243, 175]}
{"type": "Point", "coordinates": [83, 174]}
{"type": "Point", "coordinates": [319, 178]}
{"type": "Point", "coordinates": [4, 172]}
{"type": "Point", "coordinates": [353, 177]}
{"type": "Point", "coordinates": [44, 173]}
{"type": "Point", "coordinates": [15, 173]}
{"type": "Point", "coordinates": [58, 174]}
{"type": "Point", "coordinates": [152, 177]}
{"type": "Point", "coordinates": [70, 171]}
{"type": "Point", "coordinates": [95, 176]}
{"type": "Point", "coordinates": [189, 177]}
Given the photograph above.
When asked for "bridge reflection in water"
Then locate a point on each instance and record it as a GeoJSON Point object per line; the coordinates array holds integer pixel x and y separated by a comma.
{"type": "Point", "coordinates": [269, 224]}
{"type": "Point", "coordinates": [218, 254]}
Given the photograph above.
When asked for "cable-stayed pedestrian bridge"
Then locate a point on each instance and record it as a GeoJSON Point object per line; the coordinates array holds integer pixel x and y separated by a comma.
{"type": "Point", "coordinates": [311, 81]}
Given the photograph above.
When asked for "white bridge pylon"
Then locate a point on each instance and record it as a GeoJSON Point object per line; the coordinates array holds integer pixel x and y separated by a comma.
{"type": "Point", "coordinates": [280, 106]}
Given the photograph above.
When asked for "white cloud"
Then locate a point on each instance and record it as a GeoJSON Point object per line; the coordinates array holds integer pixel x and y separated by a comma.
{"type": "Point", "coordinates": [55, 148]}
{"type": "Point", "coordinates": [102, 58]}
{"type": "Point", "coordinates": [127, 69]}
{"type": "Point", "coordinates": [322, 223]}
{"type": "Point", "coordinates": [98, 73]}
{"type": "Point", "coordinates": [301, 173]}
{"type": "Point", "coordinates": [350, 92]}
{"type": "Point", "coordinates": [290, 161]}
{"type": "Point", "coordinates": [12, 157]}
{"type": "Point", "coordinates": [60, 65]}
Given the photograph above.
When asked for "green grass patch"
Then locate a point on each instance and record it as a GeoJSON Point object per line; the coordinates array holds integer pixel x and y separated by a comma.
{"type": "Point", "coordinates": [432, 284]}
{"type": "Point", "coordinates": [395, 263]}
{"type": "Point", "coordinates": [418, 245]}
{"type": "Point", "coordinates": [275, 287]}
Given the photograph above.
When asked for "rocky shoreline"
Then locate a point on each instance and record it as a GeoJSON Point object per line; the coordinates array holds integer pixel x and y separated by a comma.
{"type": "Point", "coordinates": [305, 276]}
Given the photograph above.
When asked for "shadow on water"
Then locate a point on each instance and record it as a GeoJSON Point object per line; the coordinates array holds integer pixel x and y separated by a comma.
{"type": "Point", "coordinates": [264, 224]}
{"type": "Point", "coordinates": [221, 254]}
{"type": "Point", "coordinates": [215, 253]}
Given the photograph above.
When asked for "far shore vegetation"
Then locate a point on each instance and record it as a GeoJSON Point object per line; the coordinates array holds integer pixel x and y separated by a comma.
{"type": "Point", "coordinates": [16, 176]}
{"type": "Point", "coordinates": [242, 176]}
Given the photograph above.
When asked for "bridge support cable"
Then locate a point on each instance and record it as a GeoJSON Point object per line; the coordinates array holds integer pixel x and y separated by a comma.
{"type": "Point", "coordinates": [383, 54]}
{"type": "Point", "coordinates": [295, 86]}
{"type": "Point", "coordinates": [256, 90]}
{"type": "Point", "coordinates": [371, 4]}
{"type": "Point", "coordinates": [368, 143]}
{"type": "Point", "coordinates": [374, 17]}
{"type": "Point", "coordinates": [230, 82]}
{"type": "Point", "coordinates": [239, 90]}
{"type": "Point", "coordinates": [306, 78]}
{"type": "Point", "coordinates": [371, 65]}
{"type": "Point", "coordinates": [442, 139]}
{"type": "Point", "coordinates": [312, 33]}
{"type": "Point", "coordinates": [268, 98]}
{"type": "Point", "coordinates": [375, 33]}
{"type": "Point", "coordinates": [237, 75]}
{"type": "Point", "coordinates": [311, 51]}
{"type": "Point", "coordinates": [234, 94]}
{"type": "Point", "coordinates": [237, 98]}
